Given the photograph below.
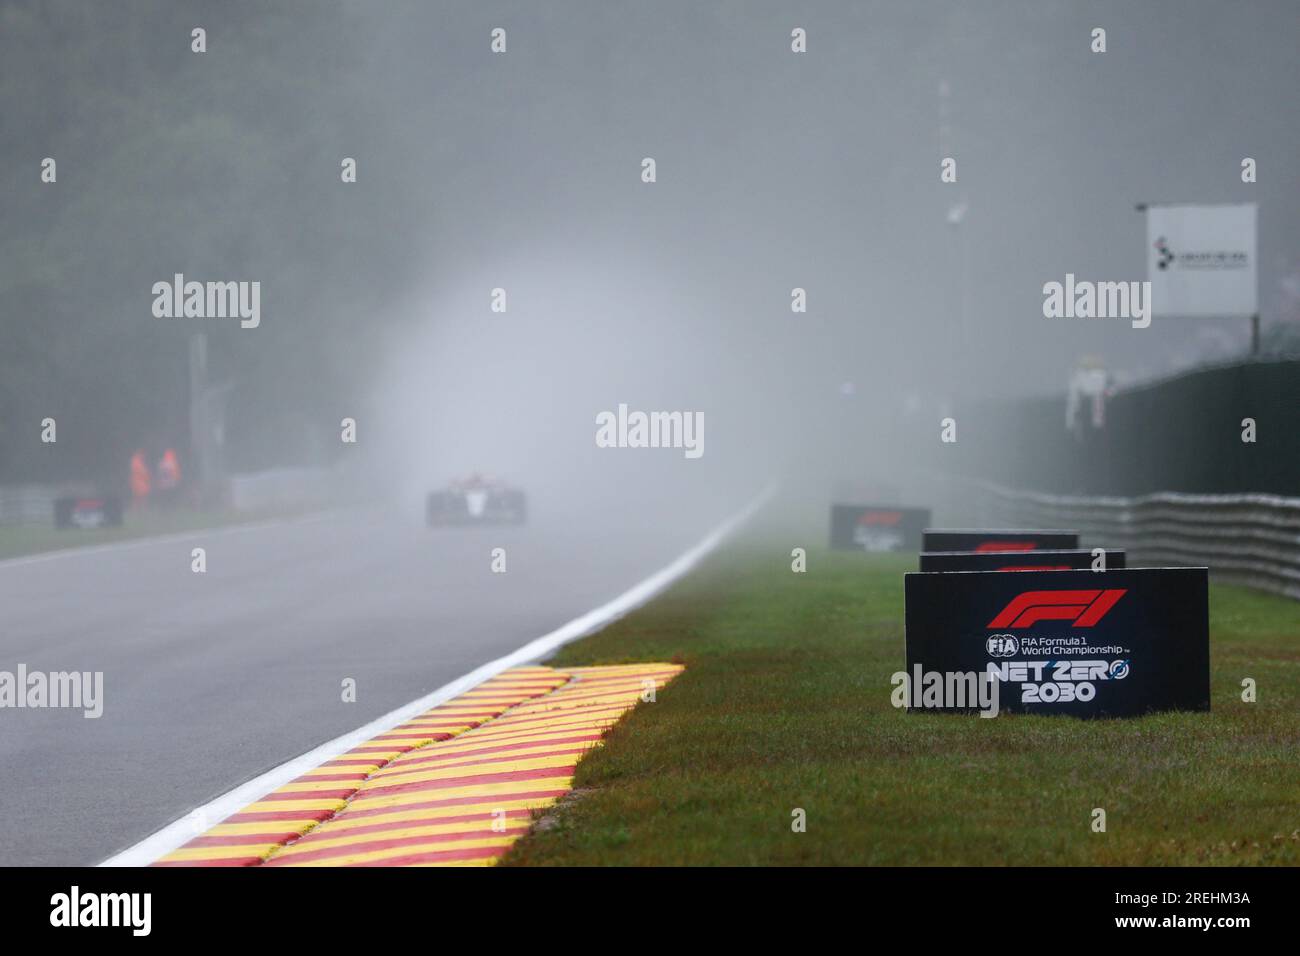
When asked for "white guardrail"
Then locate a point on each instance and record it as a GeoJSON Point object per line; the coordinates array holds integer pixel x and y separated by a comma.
{"type": "Point", "coordinates": [1251, 539]}
{"type": "Point", "coordinates": [276, 488]}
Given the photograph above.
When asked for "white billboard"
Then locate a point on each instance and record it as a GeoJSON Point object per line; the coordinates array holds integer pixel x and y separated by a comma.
{"type": "Point", "coordinates": [1201, 260]}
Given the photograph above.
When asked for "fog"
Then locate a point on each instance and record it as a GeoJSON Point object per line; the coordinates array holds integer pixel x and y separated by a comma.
{"type": "Point", "coordinates": [522, 171]}
{"type": "Point", "coordinates": [817, 171]}
{"type": "Point", "coordinates": [463, 267]}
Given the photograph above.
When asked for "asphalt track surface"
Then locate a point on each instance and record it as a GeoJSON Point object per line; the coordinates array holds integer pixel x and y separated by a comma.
{"type": "Point", "coordinates": [212, 679]}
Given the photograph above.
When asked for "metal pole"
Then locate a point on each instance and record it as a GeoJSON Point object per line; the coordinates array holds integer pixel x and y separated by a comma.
{"type": "Point", "coordinates": [198, 427]}
{"type": "Point", "coordinates": [965, 288]}
{"type": "Point", "coordinates": [1254, 335]}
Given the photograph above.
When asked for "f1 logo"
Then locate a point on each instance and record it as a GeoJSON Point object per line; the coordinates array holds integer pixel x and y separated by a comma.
{"type": "Point", "coordinates": [1006, 546]}
{"type": "Point", "coordinates": [880, 517]}
{"type": "Point", "coordinates": [1084, 608]}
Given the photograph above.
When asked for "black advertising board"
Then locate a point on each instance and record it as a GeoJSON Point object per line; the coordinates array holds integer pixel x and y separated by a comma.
{"type": "Point", "coordinates": [969, 539]}
{"type": "Point", "coordinates": [877, 527]}
{"type": "Point", "coordinates": [105, 512]}
{"type": "Point", "coordinates": [1086, 643]}
{"type": "Point", "coordinates": [1016, 560]}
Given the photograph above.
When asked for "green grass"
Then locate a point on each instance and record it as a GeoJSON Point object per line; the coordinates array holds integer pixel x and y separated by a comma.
{"type": "Point", "coordinates": [785, 704]}
{"type": "Point", "coordinates": [19, 541]}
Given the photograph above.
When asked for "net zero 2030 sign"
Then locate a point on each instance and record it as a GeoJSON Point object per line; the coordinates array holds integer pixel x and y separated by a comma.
{"type": "Point", "coordinates": [1087, 643]}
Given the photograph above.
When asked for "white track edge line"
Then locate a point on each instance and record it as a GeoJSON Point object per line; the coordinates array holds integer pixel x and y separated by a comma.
{"type": "Point", "coordinates": [179, 832]}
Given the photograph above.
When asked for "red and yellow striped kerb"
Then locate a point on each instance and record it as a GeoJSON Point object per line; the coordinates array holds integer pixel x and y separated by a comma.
{"type": "Point", "coordinates": [455, 786]}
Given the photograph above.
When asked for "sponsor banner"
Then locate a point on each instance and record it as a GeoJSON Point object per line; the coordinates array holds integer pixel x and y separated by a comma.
{"type": "Point", "coordinates": [973, 539]}
{"type": "Point", "coordinates": [1086, 643]}
{"type": "Point", "coordinates": [1201, 260]}
{"type": "Point", "coordinates": [1076, 559]}
{"type": "Point", "coordinates": [877, 528]}
{"type": "Point", "coordinates": [105, 512]}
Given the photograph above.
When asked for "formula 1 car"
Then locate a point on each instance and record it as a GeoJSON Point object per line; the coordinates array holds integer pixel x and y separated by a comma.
{"type": "Point", "coordinates": [476, 500]}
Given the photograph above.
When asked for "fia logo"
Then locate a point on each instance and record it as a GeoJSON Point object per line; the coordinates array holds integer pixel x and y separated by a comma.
{"type": "Point", "coordinates": [1002, 645]}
